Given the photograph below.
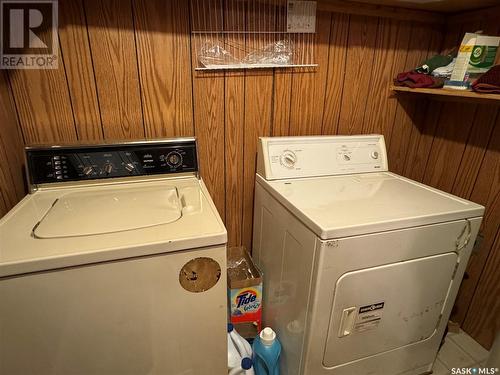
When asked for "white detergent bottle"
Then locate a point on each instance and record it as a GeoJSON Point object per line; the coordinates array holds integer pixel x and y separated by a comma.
{"type": "Point", "coordinates": [245, 367]}
{"type": "Point", "coordinates": [244, 351]}
{"type": "Point", "coordinates": [233, 356]}
{"type": "Point", "coordinates": [241, 344]}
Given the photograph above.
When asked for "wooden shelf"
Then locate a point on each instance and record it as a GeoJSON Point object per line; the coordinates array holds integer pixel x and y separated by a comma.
{"type": "Point", "coordinates": [451, 95]}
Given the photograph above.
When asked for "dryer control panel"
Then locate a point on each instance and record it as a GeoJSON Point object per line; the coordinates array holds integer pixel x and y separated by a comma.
{"type": "Point", "coordinates": [89, 162]}
{"type": "Point", "coordinates": [296, 157]}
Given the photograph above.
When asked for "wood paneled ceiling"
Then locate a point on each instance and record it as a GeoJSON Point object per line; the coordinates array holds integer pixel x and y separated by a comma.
{"type": "Point", "coordinates": [445, 6]}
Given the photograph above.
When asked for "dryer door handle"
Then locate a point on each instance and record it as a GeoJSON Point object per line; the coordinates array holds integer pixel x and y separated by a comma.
{"type": "Point", "coordinates": [464, 237]}
{"type": "Point", "coordinates": [347, 321]}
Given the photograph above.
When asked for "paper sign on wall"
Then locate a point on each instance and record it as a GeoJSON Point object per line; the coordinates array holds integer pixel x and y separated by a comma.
{"type": "Point", "coordinates": [301, 16]}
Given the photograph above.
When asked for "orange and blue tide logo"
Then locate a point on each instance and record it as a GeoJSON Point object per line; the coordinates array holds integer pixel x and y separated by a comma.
{"type": "Point", "coordinates": [247, 300]}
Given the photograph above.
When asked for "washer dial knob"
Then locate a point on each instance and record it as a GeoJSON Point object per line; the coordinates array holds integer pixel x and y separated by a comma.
{"type": "Point", "coordinates": [87, 171]}
{"type": "Point", "coordinates": [288, 159]}
{"type": "Point", "coordinates": [374, 155]}
{"type": "Point", "coordinates": [129, 167]}
{"type": "Point", "coordinates": [174, 159]}
{"type": "Point", "coordinates": [108, 168]}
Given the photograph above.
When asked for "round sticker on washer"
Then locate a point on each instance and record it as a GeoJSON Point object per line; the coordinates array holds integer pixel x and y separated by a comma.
{"type": "Point", "coordinates": [199, 274]}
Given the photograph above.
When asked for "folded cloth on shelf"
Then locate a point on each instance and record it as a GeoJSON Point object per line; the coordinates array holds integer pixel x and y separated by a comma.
{"type": "Point", "coordinates": [415, 80]}
{"type": "Point", "coordinates": [444, 71]}
{"type": "Point", "coordinates": [437, 61]}
{"type": "Point", "coordinates": [489, 82]}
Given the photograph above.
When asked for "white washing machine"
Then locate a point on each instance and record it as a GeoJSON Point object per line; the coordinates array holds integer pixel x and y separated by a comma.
{"type": "Point", "coordinates": [362, 266]}
{"type": "Point", "coordinates": [114, 264]}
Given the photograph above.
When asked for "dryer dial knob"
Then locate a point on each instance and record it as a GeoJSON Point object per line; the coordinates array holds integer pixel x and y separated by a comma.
{"type": "Point", "coordinates": [288, 159]}
{"type": "Point", "coordinates": [374, 155]}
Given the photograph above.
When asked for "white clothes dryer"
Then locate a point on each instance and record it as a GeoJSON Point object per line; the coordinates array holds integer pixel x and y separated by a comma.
{"type": "Point", "coordinates": [362, 266]}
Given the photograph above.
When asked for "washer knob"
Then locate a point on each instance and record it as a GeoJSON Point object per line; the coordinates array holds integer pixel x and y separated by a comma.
{"type": "Point", "coordinates": [288, 159]}
{"type": "Point", "coordinates": [129, 167]}
{"type": "Point", "coordinates": [87, 171]}
{"type": "Point", "coordinates": [108, 168]}
{"type": "Point", "coordinates": [374, 155]}
{"type": "Point", "coordinates": [174, 159]}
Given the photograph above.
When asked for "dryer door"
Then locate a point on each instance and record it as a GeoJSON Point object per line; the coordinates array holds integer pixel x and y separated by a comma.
{"type": "Point", "coordinates": [382, 308]}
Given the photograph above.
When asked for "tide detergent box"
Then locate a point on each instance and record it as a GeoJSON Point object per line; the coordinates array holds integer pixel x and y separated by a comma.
{"type": "Point", "coordinates": [244, 292]}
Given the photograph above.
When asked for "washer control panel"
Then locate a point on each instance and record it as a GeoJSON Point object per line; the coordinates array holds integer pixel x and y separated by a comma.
{"type": "Point", "coordinates": [295, 157]}
{"type": "Point", "coordinates": [77, 163]}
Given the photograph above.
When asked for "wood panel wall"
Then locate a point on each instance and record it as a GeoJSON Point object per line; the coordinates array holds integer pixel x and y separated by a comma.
{"type": "Point", "coordinates": [11, 151]}
{"type": "Point", "coordinates": [126, 72]}
{"type": "Point", "coordinates": [472, 133]}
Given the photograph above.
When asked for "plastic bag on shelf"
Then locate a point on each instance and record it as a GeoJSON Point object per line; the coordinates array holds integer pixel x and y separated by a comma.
{"type": "Point", "coordinates": [276, 53]}
{"type": "Point", "coordinates": [212, 54]}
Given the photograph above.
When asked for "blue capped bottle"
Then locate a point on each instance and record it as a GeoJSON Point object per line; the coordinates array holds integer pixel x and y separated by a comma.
{"type": "Point", "coordinates": [266, 353]}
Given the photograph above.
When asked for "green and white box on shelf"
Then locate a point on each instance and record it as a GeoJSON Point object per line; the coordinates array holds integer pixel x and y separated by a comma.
{"type": "Point", "coordinates": [476, 55]}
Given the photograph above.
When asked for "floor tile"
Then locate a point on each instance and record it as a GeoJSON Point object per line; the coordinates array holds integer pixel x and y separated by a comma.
{"type": "Point", "coordinates": [470, 346]}
{"type": "Point", "coordinates": [439, 368]}
{"type": "Point", "coordinates": [451, 355]}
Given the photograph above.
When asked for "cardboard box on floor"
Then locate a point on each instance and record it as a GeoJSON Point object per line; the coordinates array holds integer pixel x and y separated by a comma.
{"type": "Point", "coordinates": [245, 292]}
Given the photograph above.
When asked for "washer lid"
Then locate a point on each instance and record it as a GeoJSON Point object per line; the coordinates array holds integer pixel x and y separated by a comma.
{"type": "Point", "coordinates": [90, 213]}
{"type": "Point", "coordinates": [134, 218]}
{"type": "Point", "coordinates": [339, 206]}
